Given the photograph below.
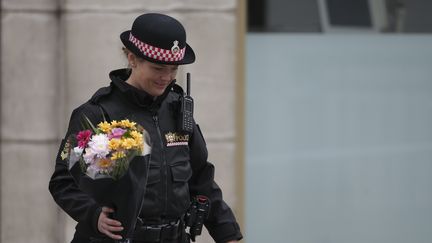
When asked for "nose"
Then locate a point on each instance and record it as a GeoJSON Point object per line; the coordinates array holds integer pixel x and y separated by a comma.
{"type": "Point", "coordinates": [166, 77]}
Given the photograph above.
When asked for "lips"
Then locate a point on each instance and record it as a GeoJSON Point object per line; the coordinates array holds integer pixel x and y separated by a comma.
{"type": "Point", "coordinates": [160, 85]}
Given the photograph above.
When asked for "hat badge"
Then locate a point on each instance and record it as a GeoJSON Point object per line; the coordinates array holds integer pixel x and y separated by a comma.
{"type": "Point", "coordinates": [175, 49]}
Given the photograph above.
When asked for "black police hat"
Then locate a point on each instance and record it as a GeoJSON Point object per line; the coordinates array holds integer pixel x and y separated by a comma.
{"type": "Point", "coordinates": [158, 38]}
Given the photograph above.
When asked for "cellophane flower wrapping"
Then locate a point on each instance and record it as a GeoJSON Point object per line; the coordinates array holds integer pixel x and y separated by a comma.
{"type": "Point", "coordinates": [110, 162]}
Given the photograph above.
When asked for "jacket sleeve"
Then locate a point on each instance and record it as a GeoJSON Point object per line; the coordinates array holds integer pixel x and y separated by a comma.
{"type": "Point", "coordinates": [77, 204]}
{"type": "Point", "coordinates": [221, 222]}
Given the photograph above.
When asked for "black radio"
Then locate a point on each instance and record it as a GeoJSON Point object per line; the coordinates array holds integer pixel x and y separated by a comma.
{"type": "Point", "coordinates": [186, 109]}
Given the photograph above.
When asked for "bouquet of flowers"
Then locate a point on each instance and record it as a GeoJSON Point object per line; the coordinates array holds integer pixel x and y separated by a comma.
{"type": "Point", "coordinates": [110, 162]}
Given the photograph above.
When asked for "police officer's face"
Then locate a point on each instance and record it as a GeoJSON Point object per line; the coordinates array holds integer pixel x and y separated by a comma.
{"type": "Point", "coordinates": [151, 77]}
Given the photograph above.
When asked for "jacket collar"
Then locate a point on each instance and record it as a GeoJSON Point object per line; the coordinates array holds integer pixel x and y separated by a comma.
{"type": "Point", "coordinates": [135, 95]}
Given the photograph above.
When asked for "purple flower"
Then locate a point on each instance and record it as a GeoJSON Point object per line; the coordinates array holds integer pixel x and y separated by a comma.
{"type": "Point", "coordinates": [117, 132]}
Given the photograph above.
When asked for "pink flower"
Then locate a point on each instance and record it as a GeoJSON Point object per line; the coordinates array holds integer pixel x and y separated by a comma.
{"type": "Point", "coordinates": [83, 138]}
{"type": "Point", "coordinates": [117, 132]}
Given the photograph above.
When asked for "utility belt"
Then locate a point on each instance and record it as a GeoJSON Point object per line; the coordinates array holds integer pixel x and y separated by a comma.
{"type": "Point", "coordinates": [192, 222]}
{"type": "Point", "coordinates": [159, 233]}
{"type": "Point", "coordinates": [172, 231]}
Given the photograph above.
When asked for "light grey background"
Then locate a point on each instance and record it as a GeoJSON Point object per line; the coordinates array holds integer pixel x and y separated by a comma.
{"type": "Point", "coordinates": [339, 138]}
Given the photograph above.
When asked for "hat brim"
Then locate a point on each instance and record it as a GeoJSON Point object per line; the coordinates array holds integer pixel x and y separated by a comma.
{"type": "Point", "coordinates": [188, 58]}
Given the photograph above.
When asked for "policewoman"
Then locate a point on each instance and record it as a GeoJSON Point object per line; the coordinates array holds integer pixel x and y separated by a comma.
{"type": "Point", "coordinates": [146, 93]}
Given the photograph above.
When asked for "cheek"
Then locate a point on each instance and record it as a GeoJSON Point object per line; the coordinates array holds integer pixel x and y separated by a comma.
{"type": "Point", "coordinates": [148, 75]}
{"type": "Point", "coordinates": [173, 75]}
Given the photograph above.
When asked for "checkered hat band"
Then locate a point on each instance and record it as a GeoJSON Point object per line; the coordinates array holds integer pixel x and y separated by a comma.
{"type": "Point", "coordinates": [156, 52]}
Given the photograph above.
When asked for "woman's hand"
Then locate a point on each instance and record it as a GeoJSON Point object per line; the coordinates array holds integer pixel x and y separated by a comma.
{"type": "Point", "coordinates": [107, 226]}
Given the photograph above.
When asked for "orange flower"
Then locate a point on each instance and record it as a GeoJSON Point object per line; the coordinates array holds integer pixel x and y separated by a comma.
{"type": "Point", "coordinates": [105, 163]}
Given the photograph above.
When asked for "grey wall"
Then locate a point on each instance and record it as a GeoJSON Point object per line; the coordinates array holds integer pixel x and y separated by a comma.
{"type": "Point", "coordinates": [29, 120]}
{"type": "Point", "coordinates": [56, 54]}
{"type": "Point", "coordinates": [418, 18]}
{"type": "Point", "coordinates": [339, 138]}
{"type": "Point", "coordinates": [292, 16]}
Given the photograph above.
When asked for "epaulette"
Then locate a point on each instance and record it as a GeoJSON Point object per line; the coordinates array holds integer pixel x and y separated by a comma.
{"type": "Point", "coordinates": [100, 93]}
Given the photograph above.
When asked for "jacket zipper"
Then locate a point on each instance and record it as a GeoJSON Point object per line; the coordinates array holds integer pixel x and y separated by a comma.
{"type": "Point", "coordinates": [164, 166]}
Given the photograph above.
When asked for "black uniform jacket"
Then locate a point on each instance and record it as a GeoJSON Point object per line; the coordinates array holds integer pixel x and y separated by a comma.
{"type": "Point", "coordinates": [177, 171]}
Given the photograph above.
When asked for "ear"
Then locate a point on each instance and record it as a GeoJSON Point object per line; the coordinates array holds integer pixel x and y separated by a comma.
{"type": "Point", "coordinates": [132, 59]}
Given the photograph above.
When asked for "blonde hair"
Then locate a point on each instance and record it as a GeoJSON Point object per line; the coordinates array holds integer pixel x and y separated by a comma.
{"type": "Point", "coordinates": [127, 51]}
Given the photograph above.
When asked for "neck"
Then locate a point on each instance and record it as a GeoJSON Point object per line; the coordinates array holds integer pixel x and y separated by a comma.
{"type": "Point", "coordinates": [131, 81]}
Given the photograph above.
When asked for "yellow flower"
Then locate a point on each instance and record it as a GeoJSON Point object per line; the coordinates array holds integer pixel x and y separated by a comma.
{"type": "Point", "coordinates": [105, 163]}
{"type": "Point", "coordinates": [138, 141]}
{"type": "Point", "coordinates": [105, 127]}
{"type": "Point", "coordinates": [138, 137]}
{"type": "Point", "coordinates": [127, 124]}
{"type": "Point", "coordinates": [114, 144]}
{"type": "Point", "coordinates": [128, 143]}
{"type": "Point", "coordinates": [135, 134]}
{"type": "Point", "coordinates": [114, 123]}
{"type": "Point", "coordinates": [118, 155]}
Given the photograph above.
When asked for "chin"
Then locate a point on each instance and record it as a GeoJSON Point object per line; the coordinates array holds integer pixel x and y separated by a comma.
{"type": "Point", "coordinates": [159, 93]}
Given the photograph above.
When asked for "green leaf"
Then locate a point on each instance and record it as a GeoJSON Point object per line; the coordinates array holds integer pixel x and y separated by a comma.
{"type": "Point", "coordinates": [103, 115]}
{"type": "Point", "coordinates": [83, 165]}
{"type": "Point", "coordinates": [89, 123]}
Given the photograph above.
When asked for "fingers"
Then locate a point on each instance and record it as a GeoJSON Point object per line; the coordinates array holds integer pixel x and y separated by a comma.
{"type": "Point", "coordinates": [112, 222]}
{"type": "Point", "coordinates": [112, 225]}
{"type": "Point", "coordinates": [107, 210]}
{"type": "Point", "coordinates": [107, 226]}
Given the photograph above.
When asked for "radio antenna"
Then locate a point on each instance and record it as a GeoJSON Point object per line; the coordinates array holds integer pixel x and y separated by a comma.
{"type": "Point", "coordinates": [188, 84]}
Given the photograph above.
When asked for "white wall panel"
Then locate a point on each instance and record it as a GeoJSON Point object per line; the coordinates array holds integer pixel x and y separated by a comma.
{"type": "Point", "coordinates": [29, 76]}
{"type": "Point", "coordinates": [27, 207]}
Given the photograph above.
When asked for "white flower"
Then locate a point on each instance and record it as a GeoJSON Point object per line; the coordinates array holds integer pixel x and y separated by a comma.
{"type": "Point", "coordinates": [89, 156]}
{"type": "Point", "coordinates": [99, 145]}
